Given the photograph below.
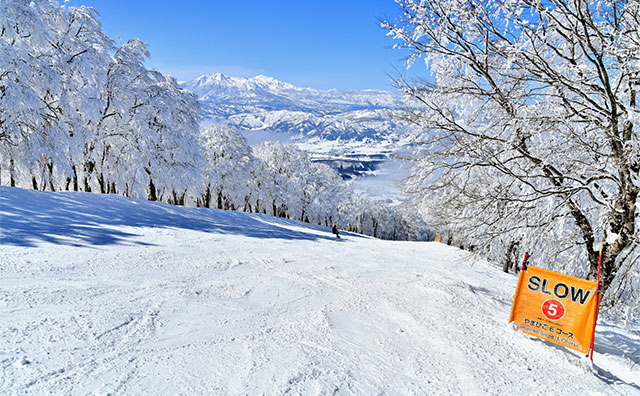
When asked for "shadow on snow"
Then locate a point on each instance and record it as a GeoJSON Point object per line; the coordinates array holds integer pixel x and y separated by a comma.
{"type": "Point", "coordinates": [613, 343]}
{"type": "Point", "coordinates": [81, 219]}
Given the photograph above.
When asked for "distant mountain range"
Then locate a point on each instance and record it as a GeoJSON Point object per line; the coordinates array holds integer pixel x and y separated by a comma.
{"type": "Point", "coordinates": [265, 104]}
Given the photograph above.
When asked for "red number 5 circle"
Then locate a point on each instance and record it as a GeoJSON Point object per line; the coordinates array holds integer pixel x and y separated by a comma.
{"type": "Point", "coordinates": [553, 309]}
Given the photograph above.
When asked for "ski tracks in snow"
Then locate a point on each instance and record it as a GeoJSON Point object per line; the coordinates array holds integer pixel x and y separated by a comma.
{"type": "Point", "coordinates": [229, 314]}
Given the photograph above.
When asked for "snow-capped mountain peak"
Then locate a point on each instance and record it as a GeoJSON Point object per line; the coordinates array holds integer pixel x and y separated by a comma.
{"type": "Point", "coordinates": [210, 86]}
{"type": "Point", "coordinates": [271, 83]}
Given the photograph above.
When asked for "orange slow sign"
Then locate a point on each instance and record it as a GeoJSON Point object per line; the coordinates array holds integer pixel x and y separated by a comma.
{"type": "Point", "coordinates": [556, 307]}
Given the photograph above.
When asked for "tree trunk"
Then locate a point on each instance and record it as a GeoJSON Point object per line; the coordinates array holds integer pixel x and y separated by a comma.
{"type": "Point", "coordinates": [75, 178]}
{"type": "Point", "coordinates": [206, 197]}
{"type": "Point", "coordinates": [101, 183]}
{"type": "Point", "coordinates": [508, 262]}
{"type": "Point", "coordinates": [50, 169]}
{"type": "Point", "coordinates": [619, 234]}
{"type": "Point", "coordinates": [88, 167]}
{"type": "Point", "coordinates": [12, 180]}
{"type": "Point", "coordinates": [152, 191]}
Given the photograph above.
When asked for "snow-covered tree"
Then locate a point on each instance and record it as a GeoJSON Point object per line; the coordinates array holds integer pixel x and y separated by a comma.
{"type": "Point", "coordinates": [171, 139]}
{"type": "Point", "coordinates": [324, 193]}
{"type": "Point", "coordinates": [230, 169]}
{"type": "Point", "coordinates": [51, 69]}
{"type": "Point", "coordinates": [112, 156]}
{"type": "Point", "coordinates": [528, 124]}
{"type": "Point", "coordinates": [290, 179]}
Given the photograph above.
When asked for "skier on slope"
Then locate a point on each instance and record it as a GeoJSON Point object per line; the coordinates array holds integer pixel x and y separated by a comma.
{"type": "Point", "coordinates": [334, 229]}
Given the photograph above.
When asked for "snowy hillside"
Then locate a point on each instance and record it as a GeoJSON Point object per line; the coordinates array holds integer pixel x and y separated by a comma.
{"type": "Point", "coordinates": [342, 128]}
{"type": "Point", "coordinates": [107, 295]}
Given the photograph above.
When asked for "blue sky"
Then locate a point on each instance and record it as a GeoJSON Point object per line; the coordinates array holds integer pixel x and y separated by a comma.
{"type": "Point", "coordinates": [317, 43]}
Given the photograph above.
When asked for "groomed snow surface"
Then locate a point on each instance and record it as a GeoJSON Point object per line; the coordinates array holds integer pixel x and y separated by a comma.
{"type": "Point", "coordinates": [101, 295]}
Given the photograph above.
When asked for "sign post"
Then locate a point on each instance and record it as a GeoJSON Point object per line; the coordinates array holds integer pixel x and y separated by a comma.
{"type": "Point", "coordinates": [555, 307]}
{"type": "Point", "coordinates": [595, 318]}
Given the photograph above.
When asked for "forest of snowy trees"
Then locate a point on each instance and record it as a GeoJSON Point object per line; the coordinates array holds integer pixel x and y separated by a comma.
{"type": "Point", "coordinates": [80, 112]}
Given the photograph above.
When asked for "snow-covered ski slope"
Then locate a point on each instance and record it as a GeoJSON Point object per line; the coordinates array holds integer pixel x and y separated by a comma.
{"type": "Point", "coordinates": [100, 294]}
